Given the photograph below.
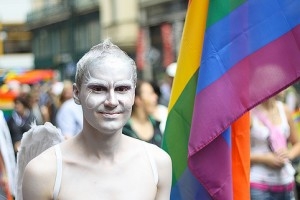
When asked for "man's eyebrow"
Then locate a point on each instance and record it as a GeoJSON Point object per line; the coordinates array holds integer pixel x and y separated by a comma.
{"type": "Point", "coordinates": [96, 82]}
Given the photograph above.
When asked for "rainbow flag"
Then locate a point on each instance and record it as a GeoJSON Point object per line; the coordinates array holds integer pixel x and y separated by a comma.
{"type": "Point", "coordinates": [234, 54]}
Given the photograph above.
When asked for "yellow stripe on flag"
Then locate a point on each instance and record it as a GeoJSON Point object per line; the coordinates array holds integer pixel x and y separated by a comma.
{"type": "Point", "coordinates": [191, 47]}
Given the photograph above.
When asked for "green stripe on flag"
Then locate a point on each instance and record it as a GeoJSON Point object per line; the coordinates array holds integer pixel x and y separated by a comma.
{"type": "Point", "coordinates": [178, 126]}
{"type": "Point", "coordinates": [219, 9]}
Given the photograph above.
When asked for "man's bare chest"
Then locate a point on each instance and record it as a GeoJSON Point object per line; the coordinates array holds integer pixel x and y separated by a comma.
{"type": "Point", "coordinates": [130, 180]}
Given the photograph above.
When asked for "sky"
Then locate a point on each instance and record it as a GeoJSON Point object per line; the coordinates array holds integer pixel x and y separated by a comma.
{"type": "Point", "coordinates": [14, 10]}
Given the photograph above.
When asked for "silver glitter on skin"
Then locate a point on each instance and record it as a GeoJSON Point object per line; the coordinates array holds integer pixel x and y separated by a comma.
{"type": "Point", "coordinates": [95, 87]}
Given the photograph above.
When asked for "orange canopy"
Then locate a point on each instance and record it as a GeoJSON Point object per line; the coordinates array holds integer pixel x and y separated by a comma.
{"type": "Point", "coordinates": [33, 76]}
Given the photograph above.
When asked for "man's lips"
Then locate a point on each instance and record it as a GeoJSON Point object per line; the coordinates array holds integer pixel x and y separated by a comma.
{"type": "Point", "coordinates": [110, 114]}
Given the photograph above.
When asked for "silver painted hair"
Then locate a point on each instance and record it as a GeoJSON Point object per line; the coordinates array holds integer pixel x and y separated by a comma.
{"type": "Point", "coordinates": [100, 52]}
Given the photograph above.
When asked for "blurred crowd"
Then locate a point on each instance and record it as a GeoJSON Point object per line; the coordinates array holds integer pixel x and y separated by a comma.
{"type": "Point", "coordinates": [52, 101]}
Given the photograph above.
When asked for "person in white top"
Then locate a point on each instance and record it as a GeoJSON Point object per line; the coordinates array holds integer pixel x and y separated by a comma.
{"type": "Point", "coordinates": [274, 144]}
{"type": "Point", "coordinates": [101, 162]}
{"type": "Point", "coordinates": [69, 117]}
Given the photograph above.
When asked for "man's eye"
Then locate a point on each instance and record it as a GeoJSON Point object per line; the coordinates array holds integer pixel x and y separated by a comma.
{"type": "Point", "coordinates": [123, 88]}
{"type": "Point", "coordinates": [97, 88]}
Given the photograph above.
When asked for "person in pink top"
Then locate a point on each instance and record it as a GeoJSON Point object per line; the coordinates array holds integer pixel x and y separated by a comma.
{"type": "Point", "coordinates": [274, 144]}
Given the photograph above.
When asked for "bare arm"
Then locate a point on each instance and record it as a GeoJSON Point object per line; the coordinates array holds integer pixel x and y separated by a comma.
{"type": "Point", "coordinates": [164, 166]}
{"type": "Point", "coordinates": [38, 179]}
{"type": "Point", "coordinates": [294, 151]}
{"type": "Point", "coordinates": [269, 159]}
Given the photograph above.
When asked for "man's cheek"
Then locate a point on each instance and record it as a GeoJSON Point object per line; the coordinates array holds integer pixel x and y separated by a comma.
{"type": "Point", "coordinates": [92, 101]}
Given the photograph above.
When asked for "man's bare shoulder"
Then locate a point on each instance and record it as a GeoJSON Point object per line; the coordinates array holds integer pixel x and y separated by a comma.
{"type": "Point", "coordinates": [161, 156]}
{"type": "Point", "coordinates": [39, 176]}
{"type": "Point", "coordinates": [42, 167]}
{"type": "Point", "coordinates": [43, 162]}
{"type": "Point", "coordinates": [164, 169]}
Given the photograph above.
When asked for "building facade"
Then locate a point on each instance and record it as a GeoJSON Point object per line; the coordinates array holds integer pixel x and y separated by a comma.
{"type": "Point", "coordinates": [119, 21]}
{"type": "Point", "coordinates": [63, 30]}
{"type": "Point", "coordinates": [15, 48]}
{"type": "Point", "coordinates": [161, 24]}
{"type": "Point", "coordinates": [148, 30]}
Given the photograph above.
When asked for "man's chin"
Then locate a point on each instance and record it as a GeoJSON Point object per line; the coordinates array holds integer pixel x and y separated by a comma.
{"type": "Point", "coordinates": [111, 129]}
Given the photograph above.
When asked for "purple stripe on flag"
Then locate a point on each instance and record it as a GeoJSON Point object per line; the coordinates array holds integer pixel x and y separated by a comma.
{"type": "Point", "coordinates": [250, 81]}
{"type": "Point", "coordinates": [213, 168]}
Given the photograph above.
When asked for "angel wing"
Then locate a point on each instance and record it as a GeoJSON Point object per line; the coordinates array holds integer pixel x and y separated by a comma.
{"type": "Point", "coordinates": [34, 142]}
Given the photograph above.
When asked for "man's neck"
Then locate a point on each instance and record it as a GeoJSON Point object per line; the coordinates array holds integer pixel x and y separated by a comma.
{"type": "Point", "coordinates": [100, 144]}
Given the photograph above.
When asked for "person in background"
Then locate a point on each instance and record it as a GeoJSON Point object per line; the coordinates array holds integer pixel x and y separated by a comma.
{"type": "Point", "coordinates": [51, 100]}
{"type": "Point", "coordinates": [166, 86]}
{"type": "Point", "coordinates": [142, 124]}
{"type": "Point", "coordinates": [69, 115]}
{"type": "Point", "coordinates": [290, 97]}
{"type": "Point", "coordinates": [67, 91]}
{"type": "Point", "coordinates": [100, 162]}
{"type": "Point", "coordinates": [40, 112]}
{"type": "Point", "coordinates": [161, 111]}
{"type": "Point", "coordinates": [274, 144]}
{"type": "Point", "coordinates": [20, 121]}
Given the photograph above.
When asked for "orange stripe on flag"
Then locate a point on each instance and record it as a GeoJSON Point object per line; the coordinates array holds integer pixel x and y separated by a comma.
{"type": "Point", "coordinates": [241, 157]}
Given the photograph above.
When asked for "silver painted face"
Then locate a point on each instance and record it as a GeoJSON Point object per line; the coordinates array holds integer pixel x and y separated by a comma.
{"type": "Point", "coordinates": [107, 94]}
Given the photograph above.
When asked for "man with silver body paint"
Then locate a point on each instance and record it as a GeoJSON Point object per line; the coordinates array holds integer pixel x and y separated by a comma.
{"type": "Point", "coordinates": [101, 162]}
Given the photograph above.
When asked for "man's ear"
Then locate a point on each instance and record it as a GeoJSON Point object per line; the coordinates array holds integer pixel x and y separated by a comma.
{"type": "Point", "coordinates": [76, 94]}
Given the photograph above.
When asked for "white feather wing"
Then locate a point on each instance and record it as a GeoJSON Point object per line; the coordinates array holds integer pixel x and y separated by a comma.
{"type": "Point", "coordinates": [34, 142]}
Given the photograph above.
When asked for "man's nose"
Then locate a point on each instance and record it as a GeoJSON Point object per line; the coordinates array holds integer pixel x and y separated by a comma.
{"type": "Point", "coordinates": [111, 99]}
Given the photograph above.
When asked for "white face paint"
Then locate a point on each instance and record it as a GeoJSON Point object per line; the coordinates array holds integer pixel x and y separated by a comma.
{"type": "Point", "coordinates": [107, 94]}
